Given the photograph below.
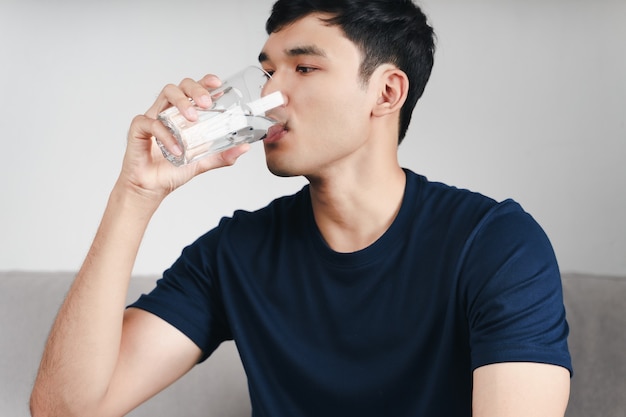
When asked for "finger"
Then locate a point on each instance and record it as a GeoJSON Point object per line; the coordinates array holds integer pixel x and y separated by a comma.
{"type": "Point", "coordinates": [170, 95]}
{"type": "Point", "coordinates": [226, 158]}
{"type": "Point", "coordinates": [180, 95]}
{"type": "Point", "coordinates": [210, 81]}
{"type": "Point", "coordinates": [145, 128]}
{"type": "Point", "coordinates": [163, 135]}
{"type": "Point", "coordinates": [141, 128]}
{"type": "Point", "coordinates": [230, 156]}
{"type": "Point", "coordinates": [198, 91]}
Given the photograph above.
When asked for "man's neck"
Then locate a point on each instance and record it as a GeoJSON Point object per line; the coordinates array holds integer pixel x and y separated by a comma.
{"type": "Point", "coordinates": [354, 209]}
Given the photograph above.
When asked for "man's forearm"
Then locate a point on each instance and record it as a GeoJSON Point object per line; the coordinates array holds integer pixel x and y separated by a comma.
{"type": "Point", "coordinates": [83, 347]}
{"type": "Point", "coordinates": [83, 350]}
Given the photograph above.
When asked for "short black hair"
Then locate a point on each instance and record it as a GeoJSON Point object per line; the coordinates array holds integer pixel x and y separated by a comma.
{"type": "Point", "coordinates": [386, 31]}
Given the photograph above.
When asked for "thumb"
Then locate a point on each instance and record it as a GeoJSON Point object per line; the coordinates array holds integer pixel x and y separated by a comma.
{"type": "Point", "coordinates": [222, 159]}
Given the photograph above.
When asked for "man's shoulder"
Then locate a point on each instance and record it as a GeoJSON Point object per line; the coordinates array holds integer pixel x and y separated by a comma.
{"type": "Point", "coordinates": [466, 214]}
{"type": "Point", "coordinates": [440, 191]}
{"type": "Point", "coordinates": [440, 199]}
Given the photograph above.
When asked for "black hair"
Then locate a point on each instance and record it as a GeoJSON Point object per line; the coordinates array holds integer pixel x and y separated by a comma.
{"type": "Point", "coordinates": [385, 31]}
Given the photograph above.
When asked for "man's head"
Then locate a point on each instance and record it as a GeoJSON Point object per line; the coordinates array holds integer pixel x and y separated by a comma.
{"type": "Point", "coordinates": [385, 31]}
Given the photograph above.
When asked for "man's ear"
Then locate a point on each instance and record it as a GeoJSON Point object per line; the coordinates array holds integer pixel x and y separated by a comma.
{"type": "Point", "coordinates": [394, 88]}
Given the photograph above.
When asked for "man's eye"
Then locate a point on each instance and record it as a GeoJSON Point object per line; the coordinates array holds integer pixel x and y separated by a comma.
{"type": "Point", "coordinates": [268, 73]}
{"type": "Point", "coordinates": [304, 70]}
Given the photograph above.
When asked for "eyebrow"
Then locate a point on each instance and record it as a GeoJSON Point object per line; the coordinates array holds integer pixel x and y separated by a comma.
{"type": "Point", "coordinates": [310, 50]}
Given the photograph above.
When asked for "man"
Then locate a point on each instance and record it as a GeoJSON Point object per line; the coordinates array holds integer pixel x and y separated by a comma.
{"type": "Point", "coordinates": [371, 292]}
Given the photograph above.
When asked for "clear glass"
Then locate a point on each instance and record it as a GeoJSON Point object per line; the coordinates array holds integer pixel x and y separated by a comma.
{"type": "Point", "coordinates": [237, 116]}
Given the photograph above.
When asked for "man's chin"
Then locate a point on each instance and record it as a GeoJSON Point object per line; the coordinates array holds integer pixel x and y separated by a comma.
{"type": "Point", "coordinates": [281, 168]}
{"type": "Point", "coordinates": [281, 172]}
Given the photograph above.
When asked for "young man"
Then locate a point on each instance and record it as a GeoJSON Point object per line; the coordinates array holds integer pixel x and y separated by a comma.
{"type": "Point", "coordinates": [372, 292]}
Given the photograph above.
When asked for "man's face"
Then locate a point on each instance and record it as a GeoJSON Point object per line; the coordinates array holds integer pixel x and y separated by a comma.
{"type": "Point", "coordinates": [327, 106]}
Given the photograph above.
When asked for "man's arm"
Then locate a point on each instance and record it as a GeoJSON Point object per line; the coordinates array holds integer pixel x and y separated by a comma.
{"type": "Point", "coordinates": [96, 355]}
{"type": "Point", "coordinates": [100, 359]}
{"type": "Point", "coordinates": [520, 390]}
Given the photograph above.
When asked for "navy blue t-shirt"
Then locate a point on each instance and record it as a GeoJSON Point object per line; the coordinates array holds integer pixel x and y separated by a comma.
{"type": "Point", "coordinates": [458, 281]}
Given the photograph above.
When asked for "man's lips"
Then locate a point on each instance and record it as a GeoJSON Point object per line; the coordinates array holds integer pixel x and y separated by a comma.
{"type": "Point", "coordinates": [275, 133]}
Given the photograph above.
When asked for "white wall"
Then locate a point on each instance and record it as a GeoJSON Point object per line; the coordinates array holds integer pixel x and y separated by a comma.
{"type": "Point", "coordinates": [527, 100]}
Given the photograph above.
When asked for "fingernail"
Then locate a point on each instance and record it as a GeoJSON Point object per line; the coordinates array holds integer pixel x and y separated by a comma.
{"type": "Point", "coordinates": [191, 113]}
{"type": "Point", "coordinates": [176, 150]}
{"type": "Point", "coordinates": [205, 100]}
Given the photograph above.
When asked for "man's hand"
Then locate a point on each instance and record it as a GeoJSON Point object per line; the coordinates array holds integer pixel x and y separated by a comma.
{"type": "Point", "coordinates": [99, 359]}
{"type": "Point", "coordinates": [145, 170]}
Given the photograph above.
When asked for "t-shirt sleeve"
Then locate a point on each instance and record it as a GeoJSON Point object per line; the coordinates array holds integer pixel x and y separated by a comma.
{"type": "Point", "coordinates": [514, 297]}
{"type": "Point", "coordinates": [188, 297]}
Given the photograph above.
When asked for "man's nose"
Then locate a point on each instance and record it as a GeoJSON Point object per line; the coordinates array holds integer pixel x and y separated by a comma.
{"type": "Point", "coordinates": [272, 85]}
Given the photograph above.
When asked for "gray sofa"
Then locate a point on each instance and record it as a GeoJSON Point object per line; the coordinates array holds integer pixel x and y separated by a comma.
{"type": "Point", "coordinates": [596, 309]}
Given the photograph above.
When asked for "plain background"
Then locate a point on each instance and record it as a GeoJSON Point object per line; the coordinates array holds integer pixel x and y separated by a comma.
{"type": "Point", "coordinates": [527, 100]}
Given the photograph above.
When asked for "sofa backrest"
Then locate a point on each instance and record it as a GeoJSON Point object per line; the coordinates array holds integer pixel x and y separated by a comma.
{"type": "Point", "coordinates": [596, 312]}
{"type": "Point", "coordinates": [28, 306]}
